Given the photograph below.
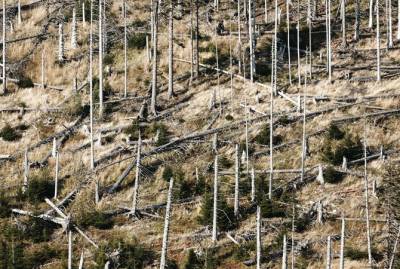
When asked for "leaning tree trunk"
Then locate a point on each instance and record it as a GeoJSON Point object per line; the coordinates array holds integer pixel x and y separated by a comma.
{"type": "Point", "coordinates": [166, 226]}
{"type": "Point", "coordinates": [100, 59]}
{"type": "Point", "coordinates": [215, 201]}
{"type": "Point", "coordinates": [171, 51]}
{"type": "Point", "coordinates": [153, 103]}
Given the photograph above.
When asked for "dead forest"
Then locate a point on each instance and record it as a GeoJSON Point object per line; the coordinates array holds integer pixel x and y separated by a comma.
{"type": "Point", "coordinates": [199, 134]}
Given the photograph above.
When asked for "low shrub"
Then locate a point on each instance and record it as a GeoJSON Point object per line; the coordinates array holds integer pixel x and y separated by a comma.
{"type": "Point", "coordinates": [96, 219]}
{"type": "Point", "coordinates": [162, 131]}
{"type": "Point", "coordinates": [225, 216]}
{"type": "Point", "coordinates": [5, 208]}
{"type": "Point", "coordinates": [263, 136]}
{"type": "Point", "coordinates": [25, 82]}
{"type": "Point", "coordinates": [133, 129]}
{"type": "Point", "coordinates": [334, 132]}
{"type": "Point", "coordinates": [271, 209]}
{"type": "Point", "coordinates": [355, 254]}
{"type": "Point", "coordinates": [137, 41]}
{"type": "Point", "coordinates": [192, 261]}
{"type": "Point", "coordinates": [331, 175]}
{"type": "Point", "coordinates": [40, 186]}
{"type": "Point", "coordinates": [39, 230]}
{"type": "Point", "coordinates": [8, 133]}
{"type": "Point", "coordinates": [333, 151]}
{"type": "Point", "coordinates": [108, 59]}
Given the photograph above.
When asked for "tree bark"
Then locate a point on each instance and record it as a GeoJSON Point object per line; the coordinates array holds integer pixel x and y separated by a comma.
{"type": "Point", "coordinates": [91, 87]}
{"type": "Point", "coordinates": [4, 88]}
{"type": "Point", "coordinates": [342, 240]}
{"type": "Point", "coordinates": [125, 52]}
{"type": "Point", "coordinates": [137, 179]}
{"type": "Point", "coordinates": [237, 178]}
{"type": "Point", "coordinates": [328, 253]}
{"type": "Point", "coordinates": [288, 39]}
{"type": "Point", "coordinates": [284, 254]}
{"type": "Point", "coordinates": [357, 22]}
{"type": "Point", "coordinates": [166, 226]}
{"type": "Point", "coordinates": [378, 45]}
{"type": "Point", "coordinates": [171, 51]}
{"type": "Point", "coordinates": [258, 238]}
{"type": "Point", "coordinates": [100, 59]}
{"type": "Point", "coordinates": [371, 10]}
{"type": "Point", "coordinates": [215, 201]}
{"type": "Point", "coordinates": [153, 102]}
{"type": "Point", "coordinates": [73, 30]}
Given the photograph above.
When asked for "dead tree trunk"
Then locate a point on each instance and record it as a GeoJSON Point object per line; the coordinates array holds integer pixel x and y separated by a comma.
{"type": "Point", "coordinates": [341, 262]}
{"type": "Point", "coordinates": [328, 253]}
{"type": "Point", "coordinates": [100, 59]}
{"type": "Point", "coordinates": [288, 39]}
{"type": "Point", "coordinates": [171, 51]}
{"type": "Point", "coordinates": [237, 178]}
{"type": "Point", "coordinates": [284, 254]}
{"type": "Point", "coordinates": [69, 249]}
{"type": "Point", "coordinates": [197, 33]}
{"type": "Point", "coordinates": [19, 13]}
{"type": "Point", "coordinates": [265, 11]}
{"type": "Point", "coordinates": [136, 187]}
{"type": "Point", "coordinates": [293, 229]}
{"type": "Point", "coordinates": [398, 19]}
{"type": "Point", "coordinates": [153, 103]}
{"type": "Point", "coordinates": [42, 70]}
{"type": "Point", "coordinates": [259, 245]}
{"type": "Point", "coordinates": [251, 40]}
{"type": "Point", "coordinates": [329, 42]}
{"type": "Point", "coordinates": [26, 171]}
{"type": "Point", "coordinates": [303, 144]}
{"type": "Point", "coordinates": [239, 37]}
{"type": "Point", "coordinates": [378, 45]}
{"type": "Point", "coordinates": [4, 88]}
{"type": "Point", "coordinates": [371, 10]}
{"type": "Point", "coordinates": [125, 52]}
{"type": "Point", "coordinates": [56, 175]}
{"type": "Point", "coordinates": [91, 86]}
{"type": "Point", "coordinates": [253, 185]}
{"type": "Point", "coordinates": [73, 30]}
{"type": "Point", "coordinates": [60, 42]}
{"type": "Point", "coordinates": [166, 226]}
{"type": "Point", "coordinates": [215, 202]}
{"type": "Point", "coordinates": [298, 44]}
{"type": "Point", "coordinates": [83, 17]}
{"type": "Point", "coordinates": [366, 191]}
{"type": "Point", "coordinates": [343, 15]}
{"type": "Point", "coordinates": [389, 24]}
{"type": "Point", "coordinates": [357, 22]}
{"type": "Point", "coordinates": [309, 23]}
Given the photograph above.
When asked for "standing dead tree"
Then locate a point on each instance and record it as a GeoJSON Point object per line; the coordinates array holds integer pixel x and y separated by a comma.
{"type": "Point", "coordinates": [166, 226]}
{"type": "Point", "coordinates": [91, 86]}
{"type": "Point", "coordinates": [153, 102]}
{"type": "Point", "coordinates": [125, 51]}
{"type": "Point", "coordinates": [215, 201]}
{"type": "Point", "coordinates": [288, 39]}
{"type": "Point", "coordinates": [101, 48]}
{"type": "Point", "coordinates": [258, 238]}
{"type": "Point", "coordinates": [378, 45]}
{"type": "Point", "coordinates": [237, 178]}
{"type": "Point", "coordinates": [73, 30]}
{"type": "Point", "coordinates": [4, 78]}
{"type": "Point", "coordinates": [137, 178]}
{"type": "Point", "coordinates": [357, 22]}
{"type": "Point", "coordinates": [366, 194]}
{"type": "Point", "coordinates": [171, 50]}
{"type": "Point", "coordinates": [252, 39]}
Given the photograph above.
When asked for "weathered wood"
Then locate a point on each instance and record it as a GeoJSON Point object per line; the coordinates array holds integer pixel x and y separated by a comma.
{"type": "Point", "coordinates": [166, 226]}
